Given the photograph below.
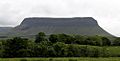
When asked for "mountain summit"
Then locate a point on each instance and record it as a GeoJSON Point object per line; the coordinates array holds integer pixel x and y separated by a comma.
{"type": "Point", "coordinates": [76, 25]}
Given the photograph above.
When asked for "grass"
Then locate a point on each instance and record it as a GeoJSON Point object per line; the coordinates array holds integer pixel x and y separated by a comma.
{"type": "Point", "coordinates": [114, 50]}
{"type": "Point", "coordinates": [61, 59]}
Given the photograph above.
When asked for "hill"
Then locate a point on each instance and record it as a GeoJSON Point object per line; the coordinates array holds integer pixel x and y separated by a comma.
{"type": "Point", "coordinates": [77, 25]}
{"type": "Point", "coordinates": [4, 31]}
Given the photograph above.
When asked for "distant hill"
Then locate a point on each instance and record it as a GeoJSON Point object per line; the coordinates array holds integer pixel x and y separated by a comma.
{"type": "Point", "coordinates": [77, 25]}
{"type": "Point", "coordinates": [4, 31]}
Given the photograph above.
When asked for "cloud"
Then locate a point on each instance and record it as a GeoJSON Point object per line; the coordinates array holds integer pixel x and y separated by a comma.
{"type": "Point", "coordinates": [106, 12]}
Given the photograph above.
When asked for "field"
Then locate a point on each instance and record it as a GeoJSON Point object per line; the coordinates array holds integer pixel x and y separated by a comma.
{"type": "Point", "coordinates": [61, 59]}
{"type": "Point", "coordinates": [114, 50]}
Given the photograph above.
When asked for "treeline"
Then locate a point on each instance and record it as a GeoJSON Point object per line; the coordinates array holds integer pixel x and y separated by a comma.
{"type": "Point", "coordinates": [57, 45]}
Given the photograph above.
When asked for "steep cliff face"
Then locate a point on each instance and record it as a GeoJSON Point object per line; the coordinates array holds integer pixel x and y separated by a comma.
{"type": "Point", "coordinates": [77, 25]}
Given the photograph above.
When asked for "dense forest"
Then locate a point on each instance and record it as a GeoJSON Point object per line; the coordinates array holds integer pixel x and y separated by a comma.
{"type": "Point", "coordinates": [58, 45]}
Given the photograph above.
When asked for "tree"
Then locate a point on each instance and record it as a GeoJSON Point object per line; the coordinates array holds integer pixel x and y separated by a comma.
{"type": "Point", "coordinates": [80, 39]}
{"type": "Point", "coordinates": [105, 41]}
{"type": "Point", "coordinates": [83, 51]}
{"type": "Point", "coordinates": [41, 49]}
{"type": "Point", "coordinates": [40, 37]}
{"type": "Point", "coordinates": [59, 48]}
{"type": "Point", "coordinates": [116, 42]}
{"type": "Point", "coordinates": [94, 40]}
{"type": "Point", "coordinates": [73, 51]}
{"type": "Point", "coordinates": [67, 39]}
{"type": "Point", "coordinates": [1, 49]}
{"type": "Point", "coordinates": [53, 38]}
{"type": "Point", "coordinates": [51, 51]}
{"type": "Point", "coordinates": [12, 47]}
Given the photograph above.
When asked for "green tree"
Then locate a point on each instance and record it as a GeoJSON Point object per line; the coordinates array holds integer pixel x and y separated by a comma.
{"type": "Point", "coordinates": [28, 51]}
{"type": "Point", "coordinates": [51, 51]}
{"type": "Point", "coordinates": [53, 38]}
{"type": "Point", "coordinates": [40, 37]}
{"type": "Point", "coordinates": [12, 47]}
{"type": "Point", "coordinates": [83, 51]}
{"type": "Point", "coordinates": [105, 41]}
{"type": "Point", "coordinates": [59, 48]}
{"type": "Point", "coordinates": [67, 39]}
{"type": "Point", "coordinates": [73, 51]}
{"type": "Point", "coordinates": [94, 40]}
{"type": "Point", "coordinates": [80, 39]}
{"type": "Point", "coordinates": [116, 42]}
{"type": "Point", "coordinates": [41, 49]}
{"type": "Point", "coordinates": [1, 49]}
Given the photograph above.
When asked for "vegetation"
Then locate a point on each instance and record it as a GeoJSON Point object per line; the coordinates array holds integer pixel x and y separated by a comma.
{"type": "Point", "coordinates": [60, 45]}
{"type": "Point", "coordinates": [61, 59]}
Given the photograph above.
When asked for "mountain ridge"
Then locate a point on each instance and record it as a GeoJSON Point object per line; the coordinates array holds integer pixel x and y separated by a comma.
{"type": "Point", "coordinates": [74, 25]}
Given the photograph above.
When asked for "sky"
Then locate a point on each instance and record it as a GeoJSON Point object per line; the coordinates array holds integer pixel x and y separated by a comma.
{"type": "Point", "coordinates": [106, 12]}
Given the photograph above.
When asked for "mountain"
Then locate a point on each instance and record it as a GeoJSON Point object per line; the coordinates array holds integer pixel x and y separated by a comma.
{"type": "Point", "coordinates": [4, 31]}
{"type": "Point", "coordinates": [76, 25]}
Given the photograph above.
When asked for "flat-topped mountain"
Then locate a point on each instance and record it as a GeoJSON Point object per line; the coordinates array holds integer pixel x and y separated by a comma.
{"type": "Point", "coordinates": [76, 25]}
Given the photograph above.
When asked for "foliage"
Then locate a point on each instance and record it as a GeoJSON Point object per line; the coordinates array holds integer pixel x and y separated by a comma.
{"type": "Point", "coordinates": [59, 45]}
{"type": "Point", "coordinates": [116, 42]}
{"type": "Point", "coordinates": [40, 37]}
{"type": "Point", "coordinates": [53, 38]}
{"type": "Point", "coordinates": [13, 46]}
{"type": "Point", "coordinates": [105, 41]}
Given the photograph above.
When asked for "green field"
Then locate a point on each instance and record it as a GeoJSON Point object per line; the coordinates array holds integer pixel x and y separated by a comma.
{"type": "Point", "coordinates": [114, 50]}
{"type": "Point", "coordinates": [61, 59]}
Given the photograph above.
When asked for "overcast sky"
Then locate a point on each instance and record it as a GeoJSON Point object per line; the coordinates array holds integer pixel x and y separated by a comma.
{"type": "Point", "coordinates": [106, 12]}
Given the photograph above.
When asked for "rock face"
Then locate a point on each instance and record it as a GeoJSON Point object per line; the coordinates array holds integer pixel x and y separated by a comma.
{"type": "Point", "coordinates": [76, 25]}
